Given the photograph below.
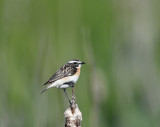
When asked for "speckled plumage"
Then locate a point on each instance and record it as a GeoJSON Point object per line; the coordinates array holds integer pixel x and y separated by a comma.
{"type": "Point", "coordinates": [66, 76]}
{"type": "Point", "coordinates": [64, 71]}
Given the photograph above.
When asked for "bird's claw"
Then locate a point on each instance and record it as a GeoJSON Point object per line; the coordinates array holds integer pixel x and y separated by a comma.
{"type": "Point", "coordinates": [70, 102]}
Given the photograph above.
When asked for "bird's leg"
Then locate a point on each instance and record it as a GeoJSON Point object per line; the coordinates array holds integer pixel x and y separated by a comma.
{"type": "Point", "coordinates": [72, 91]}
{"type": "Point", "coordinates": [67, 95]}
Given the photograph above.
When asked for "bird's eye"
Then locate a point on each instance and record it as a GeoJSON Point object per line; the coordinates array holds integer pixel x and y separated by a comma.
{"type": "Point", "coordinates": [75, 63]}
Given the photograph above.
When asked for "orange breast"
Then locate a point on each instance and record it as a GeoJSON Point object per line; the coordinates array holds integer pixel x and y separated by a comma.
{"type": "Point", "coordinates": [78, 71]}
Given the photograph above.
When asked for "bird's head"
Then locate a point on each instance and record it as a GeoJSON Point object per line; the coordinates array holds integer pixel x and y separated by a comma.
{"type": "Point", "coordinates": [76, 63]}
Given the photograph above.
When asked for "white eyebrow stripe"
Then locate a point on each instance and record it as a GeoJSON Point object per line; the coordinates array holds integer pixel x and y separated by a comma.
{"type": "Point", "coordinates": [74, 61]}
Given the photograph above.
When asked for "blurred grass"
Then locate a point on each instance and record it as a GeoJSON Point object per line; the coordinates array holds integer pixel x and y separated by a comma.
{"type": "Point", "coordinates": [119, 41]}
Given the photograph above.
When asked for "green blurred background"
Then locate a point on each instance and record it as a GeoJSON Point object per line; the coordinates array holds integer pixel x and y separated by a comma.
{"type": "Point", "coordinates": [119, 40]}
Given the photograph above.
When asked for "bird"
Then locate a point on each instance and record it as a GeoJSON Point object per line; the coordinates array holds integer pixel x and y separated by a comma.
{"type": "Point", "coordinates": [65, 77]}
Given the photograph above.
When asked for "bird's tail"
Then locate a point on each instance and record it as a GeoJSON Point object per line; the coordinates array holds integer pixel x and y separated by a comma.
{"type": "Point", "coordinates": [45, 83]}
{"type": "Point", "coordinates": [44, 90]}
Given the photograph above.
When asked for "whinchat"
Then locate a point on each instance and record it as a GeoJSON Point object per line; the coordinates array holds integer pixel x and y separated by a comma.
{"type": "Point", "coordinates": [65, 77]}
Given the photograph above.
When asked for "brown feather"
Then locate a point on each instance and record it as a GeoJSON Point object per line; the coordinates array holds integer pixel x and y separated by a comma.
{"type": "Point", "coordinates": [64, 71]}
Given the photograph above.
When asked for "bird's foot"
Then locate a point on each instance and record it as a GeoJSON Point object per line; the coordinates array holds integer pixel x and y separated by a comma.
{"type": "Point", "coordinates": [73, 97]}
{"type": "Point", "coordinates": [73, 104]}
{"type": "Point", "coordinates": [70, 101]}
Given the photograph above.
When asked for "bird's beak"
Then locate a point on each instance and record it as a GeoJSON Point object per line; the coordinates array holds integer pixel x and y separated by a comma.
{"type": "Point", "coordinates": [83, 63]}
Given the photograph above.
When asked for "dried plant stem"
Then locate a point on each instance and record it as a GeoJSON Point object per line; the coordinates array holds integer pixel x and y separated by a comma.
{"type": "Point", "coordinates": [73, 115]}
